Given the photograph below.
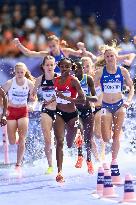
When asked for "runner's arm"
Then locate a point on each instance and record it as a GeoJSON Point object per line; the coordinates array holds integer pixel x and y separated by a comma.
{"type": "Point", "coordinates": [28, 52]}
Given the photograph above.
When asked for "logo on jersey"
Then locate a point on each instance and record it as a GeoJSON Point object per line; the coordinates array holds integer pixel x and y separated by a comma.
{"type": "Point", "coordinates": [117, 76]}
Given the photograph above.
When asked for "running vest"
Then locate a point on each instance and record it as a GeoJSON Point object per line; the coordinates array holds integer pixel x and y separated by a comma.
{"type": "Point", "coordinates": [66, 89]}
{"type": "Point", "coordinates": [18, 94]}
{"type": "Point", "coordinates": [48, 89]}
{"type": "Point", "coordinates": [84, 85]}
{"type": "Point", "coordinates": [57, 58]}
{"type": "Point", "coordinates": [112, 83]}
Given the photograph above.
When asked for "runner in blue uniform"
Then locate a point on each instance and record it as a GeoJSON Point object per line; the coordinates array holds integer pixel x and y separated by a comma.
{"type": "Point", "coordinates": [57, 49]}
{"type": "Point", "coordinates": [111, 77]}
{"type": "Point", "coordinates": [86, 115]}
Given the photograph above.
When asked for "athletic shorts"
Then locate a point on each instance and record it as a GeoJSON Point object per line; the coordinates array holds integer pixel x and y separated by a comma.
{"type": "Point", "coordinates": [112, 108]}
{"type": "Point", "coordinates": [66, 116]}
{"type": "Point", "coordinates": [51, 113]}
{"type": "Point", "coordinates": [97, 109]}
{"type": "Point", "coordinates": [16, 113]}
{"type": "Point", "coordinates": [84, 112]}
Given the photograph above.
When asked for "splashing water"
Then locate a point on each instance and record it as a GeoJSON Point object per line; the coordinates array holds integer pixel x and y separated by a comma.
{"type": "Point", "coordinates": [35, 139]}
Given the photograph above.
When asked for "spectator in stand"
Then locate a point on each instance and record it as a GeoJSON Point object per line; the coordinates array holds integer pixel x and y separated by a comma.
{"type": "Point", "coordinates": [31, 21]}
{"type": "Point", "coordinates": [43, 9]}
{"type": "Point", "coordinates": [77, 33]}
{"type": "Point", "coordinates": [17, 19]}
{"type": "Point", "coordinates": [93, 38]}
{"type": "Point", "coordinates": [38, 39]}
{"type": "Point", "coordinates": [126, 43]}
{"type": "Point", "coordinates": [46, 21]}
{"type": "Point", "coordinates": [8, 48]}
{"type": "Point", "coordinates": [5, 15]}
{"type": "Point", "coordinates": [68, 19]}
{"type": "Point", "coordinates": [56, 26]}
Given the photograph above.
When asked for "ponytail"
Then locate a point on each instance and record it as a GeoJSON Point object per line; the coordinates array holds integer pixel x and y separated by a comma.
{"type": "Point", "coordinates": [29, 76]}
{"type": "Point", "coordinates": [103, 48]}
{"type": "Point", "coordinates": [63, 43]}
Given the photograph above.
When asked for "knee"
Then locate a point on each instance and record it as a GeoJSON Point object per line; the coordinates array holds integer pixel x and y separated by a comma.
{"type": "Point", "coordinates": [60, 143]}
{"type": "Point", "coordinates": [46, 132]}
{"type": "Point", "coordinates": [22, 141]}
{"type": "Point", "coordinates": [47, 143]}
{"type": "Point", "coordinates": [106, 136]}
{"type": "Point", "coordinates": [116, 139]}
{"type": "Point", "coordinates": [106, 139]}
{"type": "Point", "coordinates": [98, 135]}
{"type": "Point", "coordinates": [12, 141]}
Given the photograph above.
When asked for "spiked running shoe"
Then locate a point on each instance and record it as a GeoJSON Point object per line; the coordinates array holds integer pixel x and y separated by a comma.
{"type": "Point", "coordinates": [79, 162]}
{"type": "Point", "coordinates": [49, 170]}
{"type": "Point", "coordinates": [60, 178]}
{"type": "Point", "coordinates": [90, 167]}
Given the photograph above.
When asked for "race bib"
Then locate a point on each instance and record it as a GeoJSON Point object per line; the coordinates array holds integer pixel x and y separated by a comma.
{"type": "Point", "coordinates": [112, 87]}
{"type": "Point", "coordinates": [48, 94]}
{"type": "Point", "coordinates": [85, 89]}
{"type": "Point", "coordinates": [62, 101]}
{"type": "Point", "coordinates": [19, 97]}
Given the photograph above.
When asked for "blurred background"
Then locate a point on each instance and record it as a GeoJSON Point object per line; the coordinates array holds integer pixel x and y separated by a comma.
{"type": "Point", "coordinates": [92, 22]}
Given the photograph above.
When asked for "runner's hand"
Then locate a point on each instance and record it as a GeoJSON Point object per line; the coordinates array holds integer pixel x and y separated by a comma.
{"type": "Point", "coordinates": [60, 95]}
{"type": "Point", "coordinates": [3, 121]}
{"type": "Point", "coordinates": [126, 104]}
{"type": "Point", "coordinates": [16, 41]}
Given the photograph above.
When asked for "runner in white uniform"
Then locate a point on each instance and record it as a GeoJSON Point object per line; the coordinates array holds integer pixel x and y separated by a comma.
{"type": "Point", "coordinates": [18, 89]}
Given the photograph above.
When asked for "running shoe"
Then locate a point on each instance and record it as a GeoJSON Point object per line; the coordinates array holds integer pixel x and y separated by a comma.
{"type": "Point", "coordinates": [17, 167]}
{"type": "Point", "coordinates": [49, 170]}
{"type": "Point", "coordinates": [60, 178]}
{"type": "Point", "coordinates": [79, 162]}
{"type": "Point", "coordinates": [90, 167]}
{"type": "Point", "coordinates": [18, 171]}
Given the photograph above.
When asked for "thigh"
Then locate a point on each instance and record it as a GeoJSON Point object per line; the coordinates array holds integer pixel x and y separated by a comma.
{"type": "Point", "coordinates": [71, 128]}
{"type": "Point", "coordinates": [59, 127]}
{"type": "Point", "coordinates": [97, 124]}
{"type": "Point", "coordinates": [22, 127]}
{"type": "Point", "coordinates": [88, 124]}
{"type": "Point", "coordinates": [46, 123]}
{"type": "Point", "coordinates": [118, 119]}
{"type": "Point", "coordinates": [106, 124]}
{"type": "Point", "coordinates": [81, 126]}
{"type": "Point", "coordinates": [11, 130]}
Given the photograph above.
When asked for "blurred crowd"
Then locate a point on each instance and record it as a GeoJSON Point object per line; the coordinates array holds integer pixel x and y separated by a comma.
{"type": "Point", "coordinates": [33, 24]}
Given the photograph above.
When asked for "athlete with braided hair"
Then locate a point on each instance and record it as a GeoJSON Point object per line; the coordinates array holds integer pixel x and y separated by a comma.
{"type": "Point", "coordinates": [69, 93]}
